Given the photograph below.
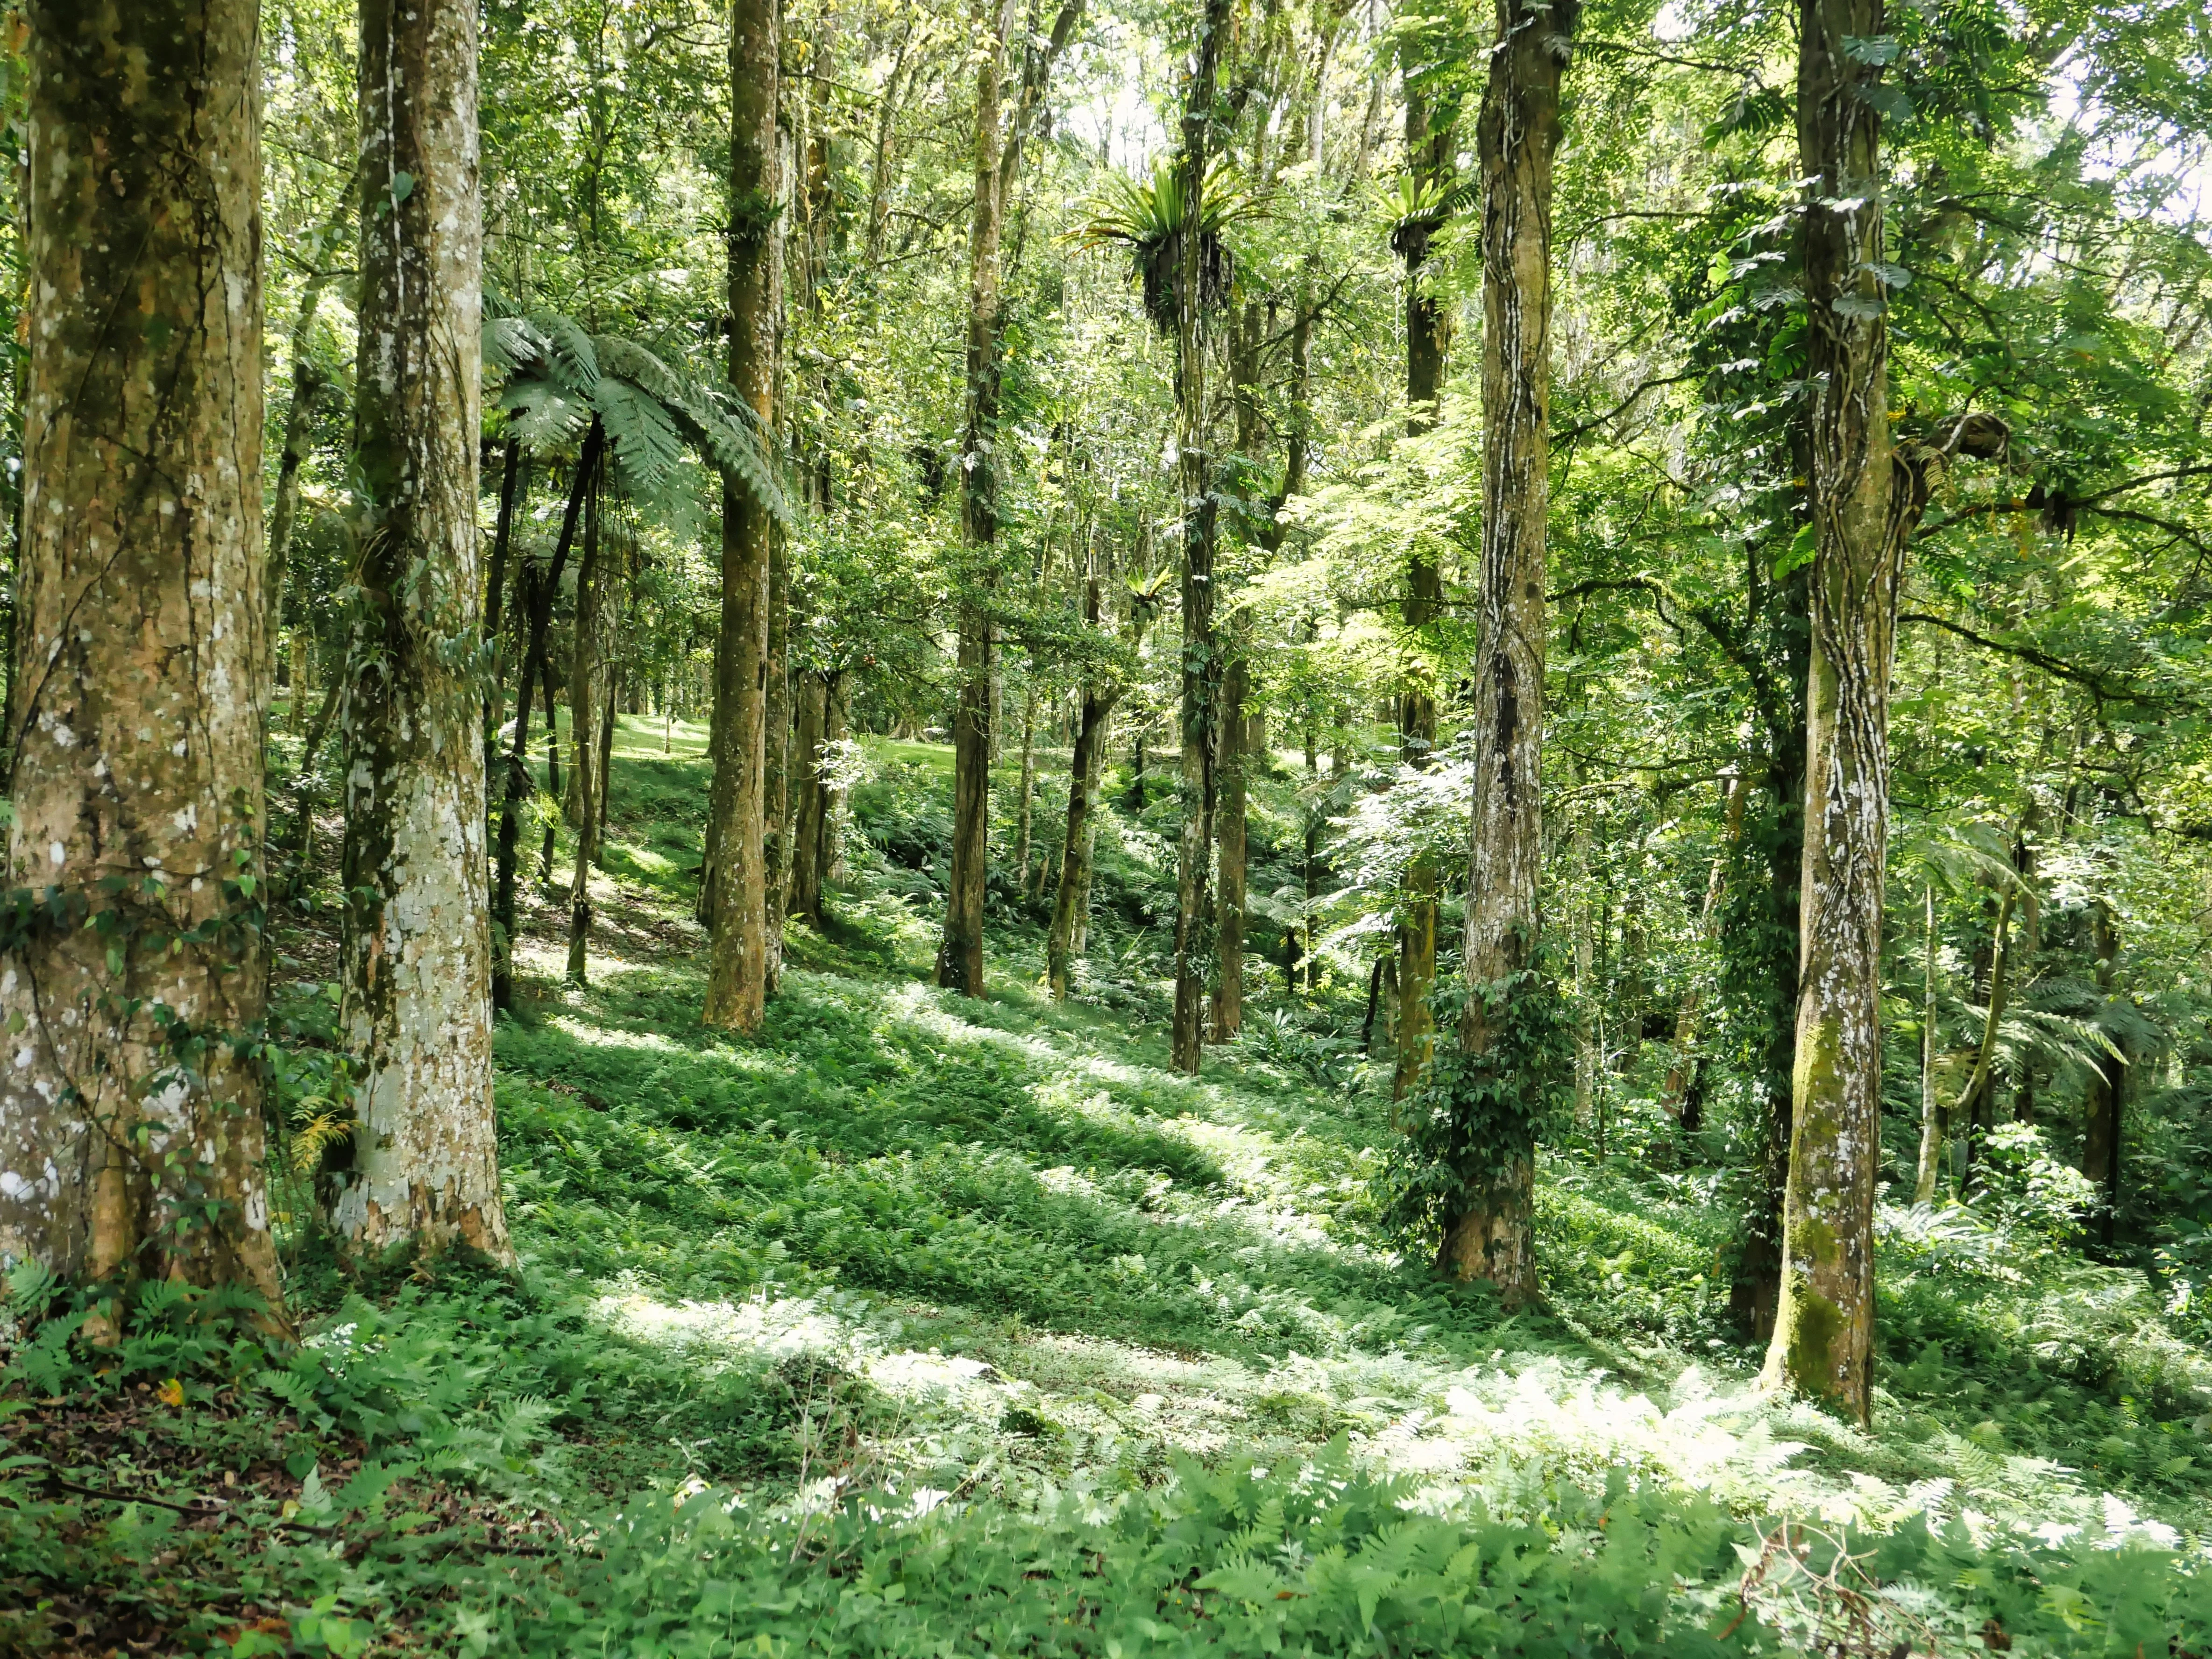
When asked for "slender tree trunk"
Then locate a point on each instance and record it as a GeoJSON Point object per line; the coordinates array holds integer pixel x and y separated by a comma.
{"type": "Point", "coordinates": [1028, 799]}
{"type": "Point", "coordinates": [308, 386]}
{"type": "Point", "coordinates": [738, 969]}
{"type": "Point", "coordinates": [1072, 898]}
{"type": "Point", "coordinates": [775, 806]}
{"type": "Point", "coordinates": [960, 954]}
{"type": "Point", "coordinates": [584, 734]}
{"type": "Point", "coordinates": [511, 490]}
{"type": "Point", "coordinates": [542, 589]}
{"type": "Point", "coordinates": [417, 954]}
{"type": "Point", "coordinates": [605, 778]}
{"type": "Point", "coordinates": [1494, 1238]}
{"type": "Point", "coordinates": [805, 899]}
{"type": "Point", "coordinates": [1196, 946]}
{"type": "Point", "coordinates": [879, 173]}
{"type": "Point", "coordinates": [1682, 1069]}
{"type": "Point", "coordinates": [130, 1131]}
{"type": "Point", "coordinates": [2100, 1141]}
{"type": "Point", "coordinates": [552, 768]}
{"type": "Point", "coordinates": [1227, 1009]}
{"type": "Point", "coordinates": [834, 715]}
{"type": "Point", "coordinates": [1930, 1163]}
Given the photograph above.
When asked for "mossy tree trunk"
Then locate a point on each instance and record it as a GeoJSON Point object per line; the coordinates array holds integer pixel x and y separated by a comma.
{"type": "Point", "coordinates": [131, 1137]}
{"type": "Point", "coordinates": [1824, 1319]}
{"type": "Point", "coordinates": [1492, 1238]}
{"type": "Point", "coordinates": [417, 952]}
{"type": "Point", "coordinates": [737, 964]}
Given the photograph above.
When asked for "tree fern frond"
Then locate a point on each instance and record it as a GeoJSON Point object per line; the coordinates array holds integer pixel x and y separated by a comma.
{"type": "Point", "coordinates": [646, 444]}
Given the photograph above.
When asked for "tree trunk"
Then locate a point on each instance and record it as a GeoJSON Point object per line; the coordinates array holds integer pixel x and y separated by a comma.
{"type": "Point", "coordinates": [1065, 942]}
{"type": "Point", "coordinates": [1227, 1009]}
{"type": "Point", "coordinates": [131, 1145]}
{"type": "Point", "coordinates": [1824, 1321]}
{"type": "Point", "coordinates": [584, 734]}
{"type": "Point", "coordinates": [1930, 1163]}
{"type": "Point", "coordinates": [1492, 1237]}
{"type": "Point", "coordinates": [960, 954]}
{"type": "Point", "coordinates": [806, 896]}
{"type": "Point", "coordinates": [511, 490]}
{"type": "Point", "coordinates": [541, 590]}
{"type": "Point", "coordinates": [831, 857]}
{"type": "Point", "coordinates": [417, 953]}
{"type": "Point", "coordinates": [1029, 788]}
{"type": "Point", "coordinates": [775, 806]}
{"type": "Point", "coordinates": [1682, 1070]}
{"type": "Point", "coordinates": [737, 967]}
{"type": "Point", "coordinates": [2100, 1141]}
{"type": "Point", "coordinates": [552, 767]}
{"type": "Point", "coordinates": [1195, 952]}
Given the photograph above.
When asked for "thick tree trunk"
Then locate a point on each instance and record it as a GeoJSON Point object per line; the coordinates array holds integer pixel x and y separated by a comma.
{"type": "Point", "coordinates": [541, 589]}
{"type": "Point", "coordinates": [417, 954]}
{"type": "Point", "coordinates": [1494, 1238]}
{"type": "Point", "coordinates": [130, 1134]}
{"type": "Point", "coordinates": [1824, 1321]}
{"type": "Point", "coordinates": [1195, 952]}
{"type": "Point", "coordinates": [960, 954]}
{"type": "Point", "coordinates": [584, 734]}
{"type": "Point", "coordinates": [737, 967]}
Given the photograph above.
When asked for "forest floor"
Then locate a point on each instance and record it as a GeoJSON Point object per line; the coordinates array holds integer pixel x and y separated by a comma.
{"type": "Point", "coordinates": [922, 1325]}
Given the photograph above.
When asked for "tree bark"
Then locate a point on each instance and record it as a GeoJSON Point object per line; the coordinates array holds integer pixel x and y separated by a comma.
{"type": "Point", "coordinates": [1196, 946]}
{"type": "Point", "coordinates": [737, 967]}
{"type": "Point", "coordinates": [130, 1134]}
{"type": "Point", "coordinates": [417, 953]}
{"type": "Point", "coordinates": [960, 954]}
{"type": "Point", "coordinates": [1493, 1237]}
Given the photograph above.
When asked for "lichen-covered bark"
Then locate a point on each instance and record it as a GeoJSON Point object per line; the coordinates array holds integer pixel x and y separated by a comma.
{"type": "Point", "coordinates": [417, 951]}
{"type": "Point", "coordinates": [737, 962]}
{"type": "Point", "coordinates": [960, 952]}
{"type": "Point", "coordinates": [1494, 1238]}
{"type": "Point", "coordinates": [128, 1150]}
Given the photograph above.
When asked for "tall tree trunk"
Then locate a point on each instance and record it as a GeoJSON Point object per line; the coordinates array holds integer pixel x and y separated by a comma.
{"type": "Point", "coordinates": [805, 893]}
{"type": "Point", "coordinates": [1682, 1070]}
{"type": "Point", "coordinates": [503, 543]}
{"type": "Point", "coordinates": [960, 953]}
{"type": "Point", "coordinates": [834, 731]}
{"type": "Point", "coordinates": [584, 735]}
{"type": "Point", "coordinates": [552, 767]}
{"type": "Point", "coordinates": [1492, 1237]}
{"type": "Point", "coordinates": [417, 953]}
{"type": "Point", "coordinates": [541, 590]}
{"type": "Point", "coordinates": [1195, 952]}
{"type": "Point", "coordinates": [738, 966]}
{"type": "Point", "coordinates": [1230, 838]}
{"type": "Point", "coordinates": [1428, 337]}
{"type": "Point", "coordinates": [775, 804]}
{"type": "Point", "coordinates": [130, 1131]}
{"type": "Point", "coordinates": [2100, 1141]}
{"type": "Point", "coordinates": [1028, 801]}
{"type": "Point", "coordinates": [1974, 1102]}
{"type": "Point", "coordinates": [1824, 1321]}
{"type": "Point", "coordinates": [1930, 1163]}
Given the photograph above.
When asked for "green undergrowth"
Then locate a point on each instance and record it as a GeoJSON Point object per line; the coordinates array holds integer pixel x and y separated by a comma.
{"type": "Point", "coordinates": [923, 1325]}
